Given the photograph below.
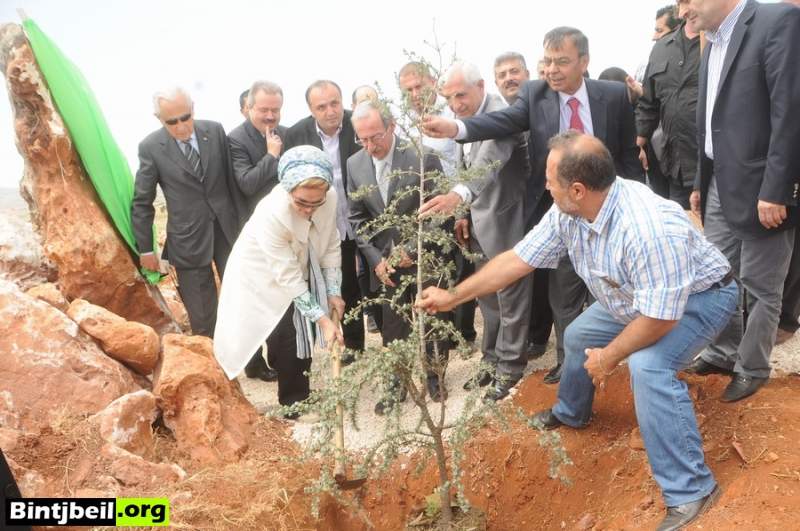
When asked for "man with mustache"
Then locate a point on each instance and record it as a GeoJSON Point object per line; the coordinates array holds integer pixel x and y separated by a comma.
{"type": "Point", "coordinates": [256, 145]}
{"type": "Point", "coordinates": [510, 72]}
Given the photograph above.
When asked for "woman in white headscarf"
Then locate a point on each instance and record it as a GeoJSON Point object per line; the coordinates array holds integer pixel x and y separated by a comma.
{"type": "Point", "coordinates": [284, 276]}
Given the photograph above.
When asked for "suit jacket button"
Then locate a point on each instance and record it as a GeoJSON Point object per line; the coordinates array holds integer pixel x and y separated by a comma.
{"type": "Point", "coordinates": [680, 63]}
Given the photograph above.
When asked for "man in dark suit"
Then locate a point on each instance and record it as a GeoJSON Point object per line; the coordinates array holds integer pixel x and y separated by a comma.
{"type": "Point", "coordinates": [190, 160]}
{"type": "Point", "coordinates": [493, 225]}
{"type": "Point", "coordinates": [566, 100]}
{"type": "Point", "coordinates": [257, 143]}
{"type": "Point", "coordinates": [255, 146]}
{"type": "Point", "coordinates": [373, 166]}
{"type": "Point", "coordinates": [329, 128]}
{"type": "Point", "coordinates": [746, 187]}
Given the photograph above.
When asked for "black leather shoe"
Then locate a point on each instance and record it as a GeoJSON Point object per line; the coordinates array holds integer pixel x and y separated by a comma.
{"type": "Point", "coordinates": [501, 389]}
{"type": "Point", "coordinates": [262, 373]}
{"type": "Point", "coordinates": [437, 394]}
{"type": "Point", "coordinates": [347, 358]}
{"type": "Point", "coordinates": [742, 386]}
{"type": "Point", "coordinates": [701, 367]}
{"type": "Point", "coordinates": [535, 350]}
{"type": "Point", "coordinates": [682, 515]}
{"type": "Point", "coordinates": [547, 419]}
{"type": "Point", "coordinates": [386, 404]}
{"type": "Point", "coordinates": [482, 379]}
{"type": "Point", "coordinates": [554, 376]}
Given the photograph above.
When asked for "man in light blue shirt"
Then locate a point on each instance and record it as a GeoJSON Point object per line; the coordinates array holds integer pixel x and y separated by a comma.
{"type": "Point", "coordinates": [663, 293]}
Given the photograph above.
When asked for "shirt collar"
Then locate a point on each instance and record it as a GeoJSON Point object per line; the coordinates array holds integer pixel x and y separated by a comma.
{"type": "Point", "coordinates": [388, 158]}
{"type": "Point", "coordinates": [322, 134]}
{"type": "Point", "coordinates": [725, 30]}
{"type": "Point", "coordinates": [606, 211]}
{"type": "Point", "coordinates": [192, 140]}
{"type": "Point", "coordinates": [581, 95]}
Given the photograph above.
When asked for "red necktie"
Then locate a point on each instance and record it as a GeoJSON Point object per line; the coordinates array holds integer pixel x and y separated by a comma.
{"type": "Point", "coordinates": [575, 119]}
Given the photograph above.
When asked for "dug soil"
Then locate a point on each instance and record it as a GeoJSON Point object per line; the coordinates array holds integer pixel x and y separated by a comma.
{"type": "Point", "coordinates": [751, 446]}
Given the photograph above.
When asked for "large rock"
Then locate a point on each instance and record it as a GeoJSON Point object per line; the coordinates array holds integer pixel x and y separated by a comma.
{"type": "Point", "coordinates": [211, 419]}
{"type": "Point", "coordinates": [49, 293]}
{"type": "Point", "coordinates": [133, 470]}
{"type": "Point", "coordinates": [131, 343]}
{"type": "Point", "coordinates": [48, 367]}
{"type": "Point", "coordinates": [127, 422]}
{"type": "Point", "coordinates": [92, 260]}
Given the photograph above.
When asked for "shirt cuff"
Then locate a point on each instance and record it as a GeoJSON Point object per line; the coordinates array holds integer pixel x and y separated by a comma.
{"type": "Point", "coordinates": [462, 130]}
{"type": "Point", "coordinates": [308, 307]}
{"type": "Point", "coordinates": [333, 281]}
{"type": "Point", "coordinates": [464, 192]}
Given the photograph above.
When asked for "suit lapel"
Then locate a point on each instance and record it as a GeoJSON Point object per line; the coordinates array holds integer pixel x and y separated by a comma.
{"type": "Point", "coordinates": [598, 108]}
{"type": "Point", "coordinates": [703, 86]}
{"type": "Point", "coordinates": [205, 148]}
{"type": "Point", "coordinates": [735, 43]}
{"type": "Point", "coordinates": [173, 151]}
{"type": "Point", "coordinates": [397, 164]}
{"type": "Point", "coordinates": [552, 113]}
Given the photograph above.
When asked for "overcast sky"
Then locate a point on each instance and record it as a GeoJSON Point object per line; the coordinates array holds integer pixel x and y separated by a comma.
{"type": "Point", "coordinates": [129, 49]}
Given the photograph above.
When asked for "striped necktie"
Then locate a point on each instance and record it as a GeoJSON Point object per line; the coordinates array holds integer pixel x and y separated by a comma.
{"type": "Point", "coordinates": [193, 157]}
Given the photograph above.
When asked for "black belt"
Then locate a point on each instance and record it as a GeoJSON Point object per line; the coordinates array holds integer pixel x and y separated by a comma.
{"type": "Point", "coordinates": [727, 279]}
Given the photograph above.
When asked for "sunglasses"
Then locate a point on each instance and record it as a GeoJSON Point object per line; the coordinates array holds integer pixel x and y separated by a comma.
{"type": "Point", "coordinates": [173, 121]}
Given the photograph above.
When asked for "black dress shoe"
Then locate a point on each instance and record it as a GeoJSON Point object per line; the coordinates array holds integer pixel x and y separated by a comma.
{"type": "Point", "coordinates": [388, 403]}
{"type": "Point", "coordinates": [347, 358]}
{"type": "Point", "coordinates": [554, 376]}
{"type": "Point", "coordinates": [701, 367]}
{"type": "Point", "coordinates": [680, 516]}
{"type": "Point", "coordinates": [742, 386]}
{"type": "Point", "coordinates": [535, 350]}
{"type": "Point", "coordinates": [482, 379]}
{"type": "Point", "coordinates": [501, 389]}
{"type": "Point", "coordinates": [436, 393]}
{"type": "Point", "coordinates": [547, 419]}
{"type": "Point", "coordinates": [262, 373]}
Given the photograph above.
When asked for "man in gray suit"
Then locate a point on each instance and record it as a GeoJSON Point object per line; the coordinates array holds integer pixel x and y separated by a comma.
{"type": "Point", "coordinates": [190, 160]}
{"type": "Point", "coordinates": [257, 143]}
{"type": "Point", "coordinates": [372, 166]}
{"type": "Point", "coordinates": [495, 224]}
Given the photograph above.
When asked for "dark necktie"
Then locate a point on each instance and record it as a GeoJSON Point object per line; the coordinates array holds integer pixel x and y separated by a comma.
{"type": "Point", "coordinates": [193, 157]}
{"type": "Point", "coordinates": [575, 119]}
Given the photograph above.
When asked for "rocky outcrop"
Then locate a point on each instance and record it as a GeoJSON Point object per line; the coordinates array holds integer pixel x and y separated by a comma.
{"type": "Point", "coordinates": [127, 422]}
{"type": "Point", "coordinates": [48, 367]}
{"type": "Point", "coordinates": [92, 261]}
{"type": "Point", "coordinates": [134, 344]}
{"type": "Point", "coordinates": [132, 470]}
{"type": "Point", "coordinates": [49, 293]}
{"type": "Point", "coordinates": [210, 418]}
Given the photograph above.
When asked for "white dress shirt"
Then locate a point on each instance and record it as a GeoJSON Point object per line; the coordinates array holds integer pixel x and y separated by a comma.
{"type": "Point", "coordinates": [719, 40]}
{"type": "Point", "coordinates": [383, 167]}
{"type": "Point", "coordinates": [330, 144]}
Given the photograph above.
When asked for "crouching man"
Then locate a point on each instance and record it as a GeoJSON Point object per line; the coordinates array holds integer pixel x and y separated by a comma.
{"type": "Point", "coordinates": [663, 293]}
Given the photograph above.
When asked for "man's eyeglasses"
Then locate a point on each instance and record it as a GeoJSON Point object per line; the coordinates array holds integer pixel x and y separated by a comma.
{"type": "Point", "coordinates": [560, 62]}
{"type": "Point", "coordinates": [371, 139]}
{"type": "Point", "coordinates": [173, 121]}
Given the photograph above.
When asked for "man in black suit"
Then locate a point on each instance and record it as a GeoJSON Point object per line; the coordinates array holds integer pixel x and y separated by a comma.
{"type": "Point", "coordinates": [257, 143]}
{"type": "Point", "coordinates": [564, 100]}
{"type": "Point", "coordinates": [746, 187]}
{"type": "Point", "coordinates": [255, 146]}
{"type": "Point", "coordinates": [190, 160]}
{"type": "Point", "coordinates": [329, 128]}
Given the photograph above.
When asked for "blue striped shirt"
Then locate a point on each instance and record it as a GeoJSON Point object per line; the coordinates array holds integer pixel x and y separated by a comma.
{"type": "Point", "coordinates": [640, 256]}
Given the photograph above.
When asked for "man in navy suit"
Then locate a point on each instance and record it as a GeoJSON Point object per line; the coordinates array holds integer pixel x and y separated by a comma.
{"type": "Point", "coordinates": [564, 100]}
{"type": "Point", "coordinates": [749, 166]}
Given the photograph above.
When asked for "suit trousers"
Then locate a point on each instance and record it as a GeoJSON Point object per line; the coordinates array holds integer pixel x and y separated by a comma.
{"type": "Point", "coordinates": [506, 317]}
{"type": "Point", "coordinates": [541, 323]}
{"type": "Point", "coordinates": [198, 287]}
{"type": "Point", "coordinates": [396, 327]}
{"type": "Point", "coordinates": [282, 347]}
{"type": "Point", "coordinates": [568, 296]}
{"type": "Point", "coordinates": [351, 293]}
{"type": "Point", "coordinates": [790, 306]}
{"type": "Point", "coordinates": [759, 266]}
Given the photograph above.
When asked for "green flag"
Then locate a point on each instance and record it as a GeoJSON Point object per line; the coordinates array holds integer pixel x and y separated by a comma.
{"type": "Point", "coordinates": [103, 160]}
